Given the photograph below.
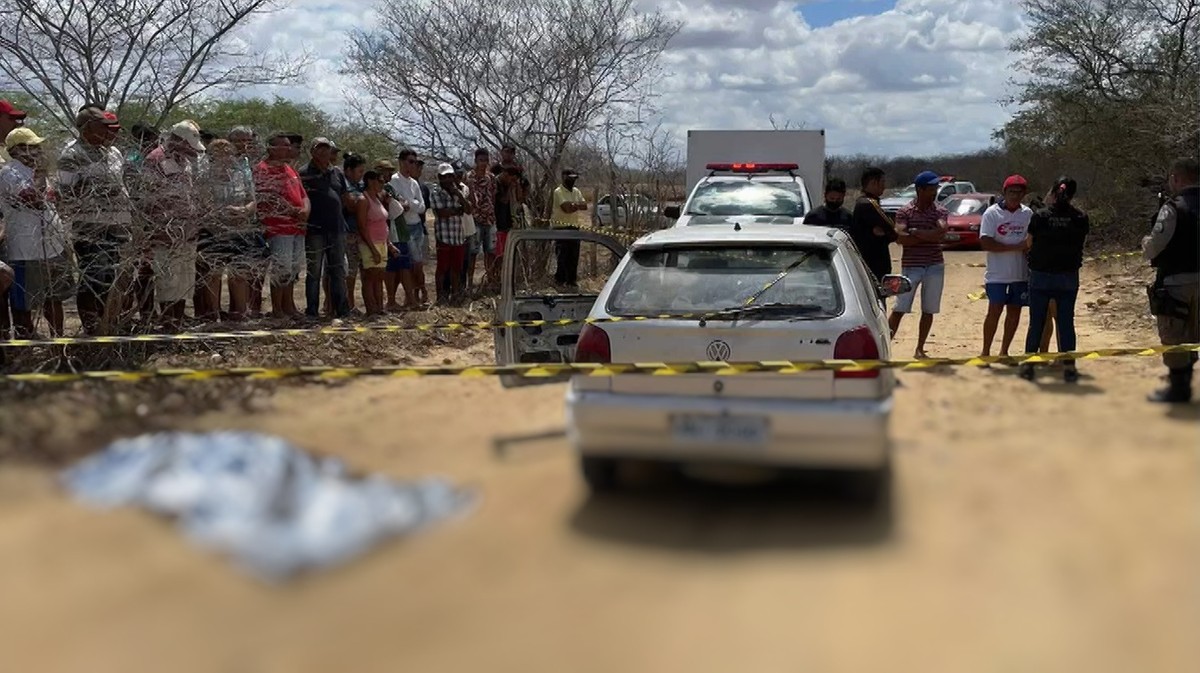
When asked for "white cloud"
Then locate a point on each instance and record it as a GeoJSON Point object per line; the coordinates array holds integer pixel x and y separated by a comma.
{"type": "Point", "coordinates": [924, 77]}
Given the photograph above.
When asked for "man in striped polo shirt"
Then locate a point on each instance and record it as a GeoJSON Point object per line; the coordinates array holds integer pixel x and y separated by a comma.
{"type": "Point", "coordinates": [921, 226]}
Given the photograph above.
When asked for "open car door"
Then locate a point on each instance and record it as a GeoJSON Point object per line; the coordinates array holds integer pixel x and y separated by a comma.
{"type": "Point", "coordinates": [549, 274]}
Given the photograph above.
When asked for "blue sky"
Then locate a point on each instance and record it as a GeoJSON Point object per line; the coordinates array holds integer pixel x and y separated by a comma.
{"type": "Point", "coordinates": [883, 77]}
{"type": "Point", "coordinates": [822, 13]}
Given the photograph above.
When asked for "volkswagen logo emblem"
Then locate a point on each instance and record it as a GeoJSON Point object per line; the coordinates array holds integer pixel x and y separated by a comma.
{"type": "Point", "coordinates": [718, 351]}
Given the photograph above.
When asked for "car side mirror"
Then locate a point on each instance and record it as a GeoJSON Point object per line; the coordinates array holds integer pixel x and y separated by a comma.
{"type": "Point", "coordinates": [893, 285]}
{"type": "Point", "coordinates": [671, 212]}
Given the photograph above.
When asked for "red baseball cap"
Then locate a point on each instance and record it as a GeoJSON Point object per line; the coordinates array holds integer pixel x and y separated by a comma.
{"type": "Point", "coordinates": [1016, 181]}
{"type": "Point", "coordinates": [6, 108]}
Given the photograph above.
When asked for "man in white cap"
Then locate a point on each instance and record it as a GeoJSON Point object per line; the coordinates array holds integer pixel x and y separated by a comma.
{"type": "Point", "coordinates": [449, 204]}
{"type": "Point", "coordinates": [171, 208]}
{"type": "Point", "coordinates": [37, 240]}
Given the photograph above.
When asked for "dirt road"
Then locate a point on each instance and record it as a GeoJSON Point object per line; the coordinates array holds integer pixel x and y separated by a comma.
{"type": "Point", "coordinates": [1031, 528]}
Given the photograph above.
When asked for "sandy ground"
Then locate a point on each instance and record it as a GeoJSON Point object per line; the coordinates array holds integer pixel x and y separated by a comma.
{"type": "Point", "coordinates": [1031, 528]}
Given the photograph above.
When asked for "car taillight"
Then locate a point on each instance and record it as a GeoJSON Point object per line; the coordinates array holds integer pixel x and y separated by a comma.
{"type": "Point", "coordinates": [857, 344]}
{"type": "Point", "coordinates": [593, 345]}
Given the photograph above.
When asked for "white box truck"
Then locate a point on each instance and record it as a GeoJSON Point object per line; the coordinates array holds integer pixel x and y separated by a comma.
{"type": "Point", "coordinates": [805, 148]}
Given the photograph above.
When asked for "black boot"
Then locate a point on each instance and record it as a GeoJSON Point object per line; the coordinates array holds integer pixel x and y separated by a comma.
{"type": "Point", "coordinates": [1178, 390]}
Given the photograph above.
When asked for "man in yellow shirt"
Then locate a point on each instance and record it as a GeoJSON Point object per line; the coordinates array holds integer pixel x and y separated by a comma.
{"type": "Point", "coordinates": [569, 212]}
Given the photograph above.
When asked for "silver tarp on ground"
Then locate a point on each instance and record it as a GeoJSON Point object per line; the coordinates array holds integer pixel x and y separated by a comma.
{"type": "Point", "coordinates": [273, 508]}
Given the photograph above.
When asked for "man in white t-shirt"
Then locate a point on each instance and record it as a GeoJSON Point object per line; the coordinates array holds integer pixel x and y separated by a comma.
{"type": "Point", "coordinates": [1004, 235]}
{"type": "Point", "coordinates": [408, 190]}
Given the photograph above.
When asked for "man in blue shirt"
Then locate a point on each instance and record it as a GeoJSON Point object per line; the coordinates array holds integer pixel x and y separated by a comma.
{"type": "Point", "coordinates": [325, 241]}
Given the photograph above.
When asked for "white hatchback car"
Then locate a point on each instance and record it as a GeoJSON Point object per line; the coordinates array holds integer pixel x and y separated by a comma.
{"type": "Point", "coordinates": [763, 292]}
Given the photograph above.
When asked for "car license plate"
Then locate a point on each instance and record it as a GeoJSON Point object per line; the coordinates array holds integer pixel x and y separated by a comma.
{"type": "Point", "coordinates": [951, 237]}
{"type": "Point", "coordinates": [747, 430]}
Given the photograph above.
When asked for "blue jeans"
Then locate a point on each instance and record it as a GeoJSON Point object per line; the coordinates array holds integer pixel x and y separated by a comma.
{"type": "Point", "coordinates": [1063, 288]}
{"type": "Point", "coordinates": [326, 254]}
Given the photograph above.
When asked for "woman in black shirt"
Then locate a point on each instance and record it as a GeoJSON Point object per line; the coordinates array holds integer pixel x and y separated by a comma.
{"type": "Point", "coordinates": [1058, 232]}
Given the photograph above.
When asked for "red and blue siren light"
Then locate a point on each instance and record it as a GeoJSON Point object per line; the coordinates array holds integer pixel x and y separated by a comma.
{"type": "Point", "coordinates": [753, 167]}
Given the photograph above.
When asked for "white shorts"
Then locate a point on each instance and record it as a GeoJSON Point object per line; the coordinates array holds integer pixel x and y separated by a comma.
{"type": "Point", "coordinates": [929, 280]}
{"type": "Point", "coordinates": [174, 272]}
{"type": "Point", "coordinates": [287, 258]}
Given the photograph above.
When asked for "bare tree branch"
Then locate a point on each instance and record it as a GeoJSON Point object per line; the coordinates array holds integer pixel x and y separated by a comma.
{"type": "Point", "coordinates": [156, 53]}
{"type": "Point", "coordinates": [535, 74]}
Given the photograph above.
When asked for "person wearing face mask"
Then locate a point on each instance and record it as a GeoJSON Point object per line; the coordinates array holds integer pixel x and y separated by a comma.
{"type": "Point", "coordinates": [570, 207]}
{"type": "Point", "coordinates": [831, 213]}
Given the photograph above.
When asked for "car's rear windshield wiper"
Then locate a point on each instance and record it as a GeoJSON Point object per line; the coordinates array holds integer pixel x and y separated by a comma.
{"type": "Point", "coordinates": [775, 308]}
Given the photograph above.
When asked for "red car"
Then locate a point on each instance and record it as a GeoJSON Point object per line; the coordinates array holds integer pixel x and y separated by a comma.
{"type": "Point", "coordinates": [966, 210]}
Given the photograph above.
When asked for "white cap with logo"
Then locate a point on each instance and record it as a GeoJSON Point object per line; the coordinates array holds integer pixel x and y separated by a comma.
{"type": "Point", "coordinates": [188, 131]}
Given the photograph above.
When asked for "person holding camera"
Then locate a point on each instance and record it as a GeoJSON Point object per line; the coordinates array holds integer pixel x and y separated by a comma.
{"type": "Point", "coordinates": [1173, 249]}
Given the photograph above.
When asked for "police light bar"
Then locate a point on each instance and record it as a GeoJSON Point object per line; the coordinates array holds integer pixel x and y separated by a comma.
{"type": "Point", "coordinates": [946, 178]}
{"type": "Point", "coordinates": [753, 168]}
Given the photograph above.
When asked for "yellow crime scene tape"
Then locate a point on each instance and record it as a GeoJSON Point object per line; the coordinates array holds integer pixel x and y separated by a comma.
{"type": "Point", "coordinates": [782, 367]}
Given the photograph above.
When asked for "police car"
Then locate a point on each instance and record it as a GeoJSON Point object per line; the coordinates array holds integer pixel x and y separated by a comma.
{"type": "Point", "coordinates": [745, 193]}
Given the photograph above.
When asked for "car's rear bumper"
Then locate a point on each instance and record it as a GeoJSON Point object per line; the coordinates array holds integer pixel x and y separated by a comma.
{"type": "Point", "coordinates": [833, 434]}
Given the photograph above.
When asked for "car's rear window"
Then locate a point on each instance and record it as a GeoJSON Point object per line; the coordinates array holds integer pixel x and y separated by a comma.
{"type": "Point", "coordinates": [747, 197]}
{"type": "Point", "coordinates": [699, 279]}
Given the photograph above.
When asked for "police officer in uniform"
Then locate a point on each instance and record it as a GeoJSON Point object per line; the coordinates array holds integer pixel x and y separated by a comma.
{"type": "Point", "coordinates": [1173, 249]}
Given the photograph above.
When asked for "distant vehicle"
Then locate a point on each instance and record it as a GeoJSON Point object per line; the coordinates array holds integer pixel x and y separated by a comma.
{"type": "Point", "coordinates": [805, 148]}
{"type": "Point", "coordinates": [742, 293]}
{"type": "Point", "coordinates": [966, 210]}
{"type": "Point", "coordinates": [949, 187]}
{"type": "Point", "coordinates": [745, 193]}
{"type": "Point", "coordinates": [632, 211]}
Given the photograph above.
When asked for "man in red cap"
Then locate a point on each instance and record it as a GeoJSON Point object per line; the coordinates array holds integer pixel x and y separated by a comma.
{"type": "Point", "coordinates": [10, 118]}
{"type": "Point", "coordinates": [1004, 235]}
{"type": "Point", "coordinates": [95, 201]}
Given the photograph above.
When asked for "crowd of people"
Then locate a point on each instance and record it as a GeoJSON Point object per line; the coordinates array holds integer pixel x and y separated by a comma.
{"type": "Point", "coordinates": [134, 225]}
{"type": "Point", "coordinates": [167, 221]}
{"type": "Point", "coordinates": [1034, 255]}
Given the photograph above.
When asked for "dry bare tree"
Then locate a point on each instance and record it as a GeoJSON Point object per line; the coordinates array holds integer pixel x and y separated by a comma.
{"type": "Point", "coordinates": [639, 160]}
{"type": "Point", "coordinates": [446, 75]}
{"type": "Point", "coordinates": [1114, 94]}
{"type": "Point", "coordinates": [155, 53]}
